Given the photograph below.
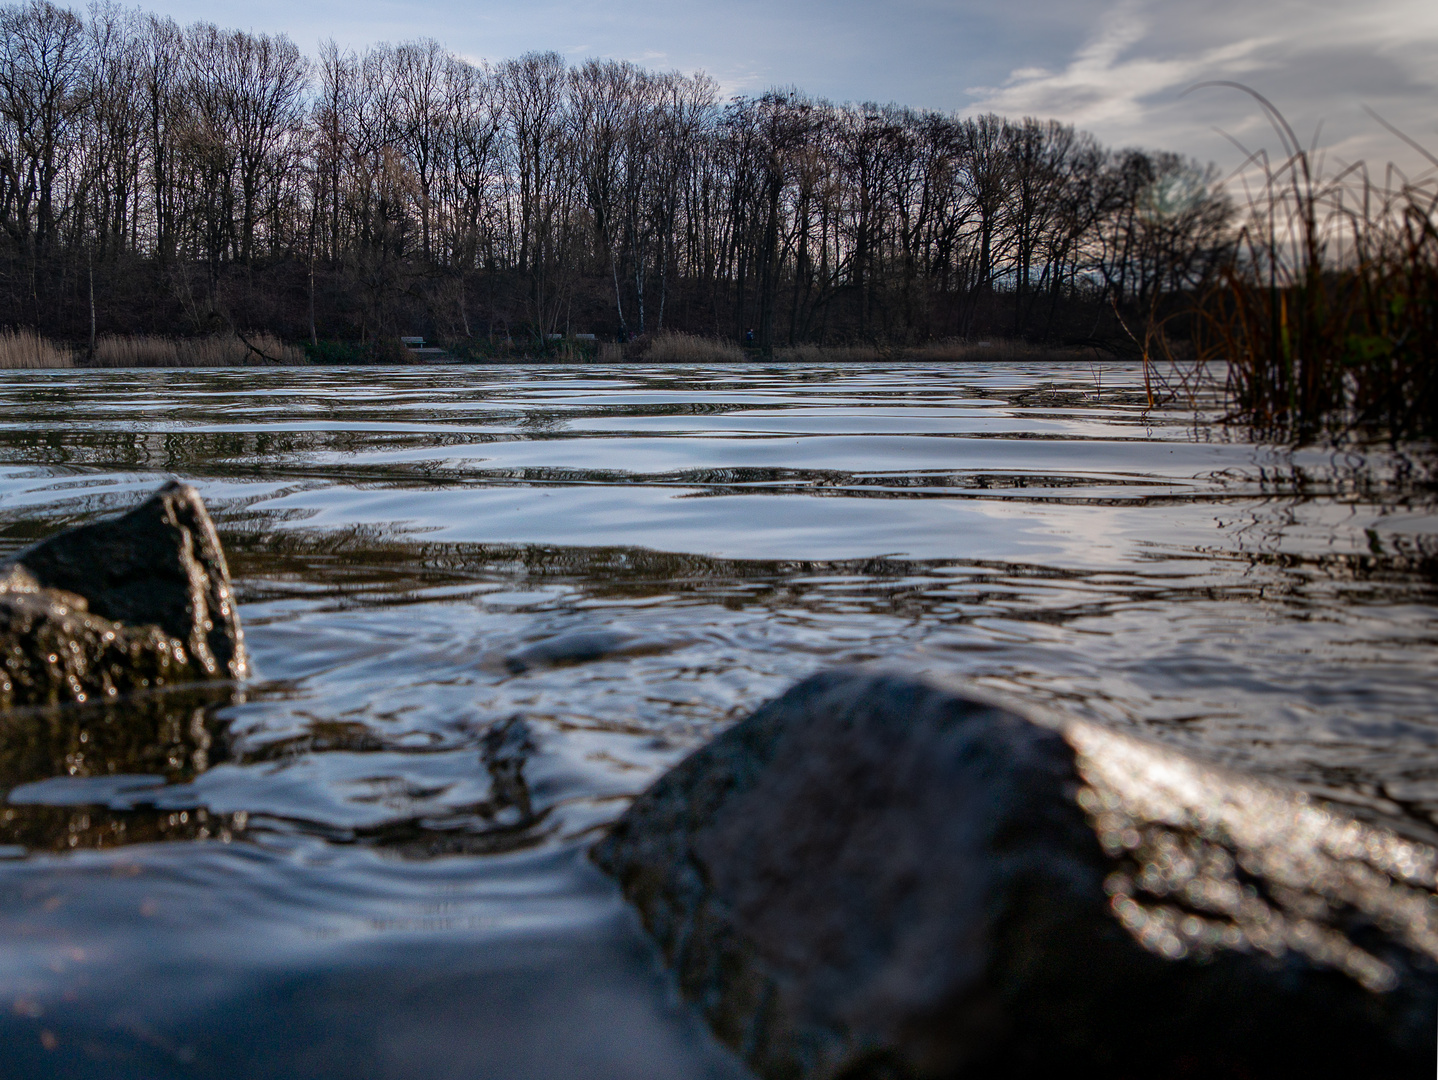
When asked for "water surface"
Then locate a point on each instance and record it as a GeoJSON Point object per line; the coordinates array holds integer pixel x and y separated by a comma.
{"type": "Point", "coordinates": [487, 606]}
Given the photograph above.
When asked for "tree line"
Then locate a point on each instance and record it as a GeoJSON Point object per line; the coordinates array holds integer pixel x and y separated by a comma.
{"type": "Point", "coordinates": [175, 179]}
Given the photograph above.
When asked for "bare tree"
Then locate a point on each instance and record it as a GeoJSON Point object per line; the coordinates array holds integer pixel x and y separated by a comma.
{"type": "Point", "coordinates": [182, 178]}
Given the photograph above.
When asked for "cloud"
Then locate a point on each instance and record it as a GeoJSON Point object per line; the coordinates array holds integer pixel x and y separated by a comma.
{"type": "Point", "coordinates": [1109, 81]}
{"type": "Point", "coordinates": [1320, 61]}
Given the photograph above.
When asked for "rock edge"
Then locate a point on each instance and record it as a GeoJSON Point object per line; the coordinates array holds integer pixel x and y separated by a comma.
{"type": "Point", "coordinates": [876, 876]}
{"type": "Point", "coordinates": [141, 600]}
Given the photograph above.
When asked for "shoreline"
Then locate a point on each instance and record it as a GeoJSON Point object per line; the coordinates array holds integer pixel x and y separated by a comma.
{"type": "Point", "coordinates": [27, 351]}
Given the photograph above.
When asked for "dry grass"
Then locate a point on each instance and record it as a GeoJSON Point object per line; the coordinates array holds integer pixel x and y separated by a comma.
{"type": "Point", "coordinates": [673, 347]}
{"type": "Point", "coordinates": [220, 350]}
{"type": "Point", "coordinates": [27, 349]}
{"type": "Point", "coordinates": [1328, 313]}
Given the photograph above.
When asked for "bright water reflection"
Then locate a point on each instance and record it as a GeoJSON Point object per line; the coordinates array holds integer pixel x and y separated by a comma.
{"type": "Point", "coordinates": [384, 882]}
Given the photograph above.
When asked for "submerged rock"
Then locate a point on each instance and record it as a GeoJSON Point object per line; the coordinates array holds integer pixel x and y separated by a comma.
{"type": "Point", "coordinates": [874, 876]}
{"type": "Point", "coordinates": [142, 600]}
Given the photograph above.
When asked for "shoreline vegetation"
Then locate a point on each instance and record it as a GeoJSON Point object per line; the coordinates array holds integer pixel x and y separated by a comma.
{"type": "Point", "coordinates": [178, 196]}
{"type": "Point", "coordinates": [20, 349]}
{"type": "Point", "coordinates": [182, 182]}
{"type": "Point", "coordinates": [1322, 313]}
{"type": "Point", "coordinates": [24, 349]}
{"type": "Point", "coordinates": [1326, 307]}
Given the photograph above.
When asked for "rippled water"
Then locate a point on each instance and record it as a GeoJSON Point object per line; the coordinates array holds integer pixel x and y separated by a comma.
{"type": "Point", "coordinates": [487, 606]}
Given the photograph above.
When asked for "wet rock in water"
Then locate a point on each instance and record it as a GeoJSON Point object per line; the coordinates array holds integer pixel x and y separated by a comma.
{"type": "Point", "coordinates": [53, 650]}
{"type": "Point", "coordinates": [142, 600]}
{"type": "Point", "coordinates": [875, 876]}
{"type": "Point", "coordinates": [159, 564]}
{"type": "Point", "coordinates": [583, 647]}
{"type": "Point", "coordinates": [574, 648]}
{"type": "Point", "coordinates": [505, 748]}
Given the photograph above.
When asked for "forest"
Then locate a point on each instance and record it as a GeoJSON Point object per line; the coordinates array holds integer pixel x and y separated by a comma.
{"type": "Point", "coordinates": [191, 180]}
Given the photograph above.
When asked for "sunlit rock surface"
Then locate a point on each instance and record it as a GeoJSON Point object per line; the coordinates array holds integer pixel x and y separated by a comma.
{"type": "Point", "coordinates": [160, 564]}
{"type": "Point", "coordinates": [874, 876]}
{"type": "Point", "coordinates": [139, 601]}
{"type": "Point", "coordinates": [54, 650]}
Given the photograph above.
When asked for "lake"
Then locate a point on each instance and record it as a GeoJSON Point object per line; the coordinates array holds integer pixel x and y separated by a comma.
{"type": "Point", "coordinates": [486, 606]}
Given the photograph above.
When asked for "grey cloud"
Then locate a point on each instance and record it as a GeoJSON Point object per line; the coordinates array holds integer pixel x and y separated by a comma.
{"type": "Point", "coordinates": [1320, 62]}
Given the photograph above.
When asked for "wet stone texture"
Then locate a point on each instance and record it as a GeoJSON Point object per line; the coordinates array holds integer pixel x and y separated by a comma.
{"type": "Point", "coordinates": [875, 876]}
{"type": "Point", "coordinates": [54, 650]}
{"type": "Point", "coordinates": [139, 601]}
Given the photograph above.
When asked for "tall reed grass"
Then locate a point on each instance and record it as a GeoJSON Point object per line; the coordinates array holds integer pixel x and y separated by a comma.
{"type": "Point", "coordinates": [674, 347]}
{"type": "Point", "coordinates": [27, 349]}
{"type": "Point", "coordinates": [1327, 313]}
{"type": "Point", "coordinates": [669, 346]}
{"type": "Point", "coordinates": [219, 350]}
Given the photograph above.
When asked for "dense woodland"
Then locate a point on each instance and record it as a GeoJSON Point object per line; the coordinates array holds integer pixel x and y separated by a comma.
{"type": "Point", "coordinates": [156, 178]}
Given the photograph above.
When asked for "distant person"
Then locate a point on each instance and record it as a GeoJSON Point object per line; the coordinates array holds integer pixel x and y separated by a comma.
{"type": "Point", "coordinates": [748, 337]}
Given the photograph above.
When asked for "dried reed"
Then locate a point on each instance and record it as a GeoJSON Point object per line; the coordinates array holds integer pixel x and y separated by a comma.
{"type": "Point", "coordinates": [27, 349]}
{"type": "Point", "coordinates": [672, 347]}
{"type": "Point", "coordinates": [1327, 315]}
{"type": "Point", "coordinates": [219, 350]}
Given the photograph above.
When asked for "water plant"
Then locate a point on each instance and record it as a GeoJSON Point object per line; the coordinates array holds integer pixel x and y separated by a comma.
{"type": "Point", "coordinates": [1325, 315]}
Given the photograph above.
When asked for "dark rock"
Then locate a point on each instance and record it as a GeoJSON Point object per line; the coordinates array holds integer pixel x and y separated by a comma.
{"type": "Point", "coordinates": [53, 650]}
{"type": "Point", "coordinates": [586, 646]}
{"type": "Point", "coordinates": [142, 600]}
{"type": "Point", "coordinates": [580, 647]}
{"type": "Point", "coordinates": [505, 748]}
{"type": "Point", "coordinates": [874, 876]}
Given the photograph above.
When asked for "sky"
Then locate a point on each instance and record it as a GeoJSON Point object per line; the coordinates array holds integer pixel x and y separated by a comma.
{"type": "Point", "coordinates": [1117, 68]}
